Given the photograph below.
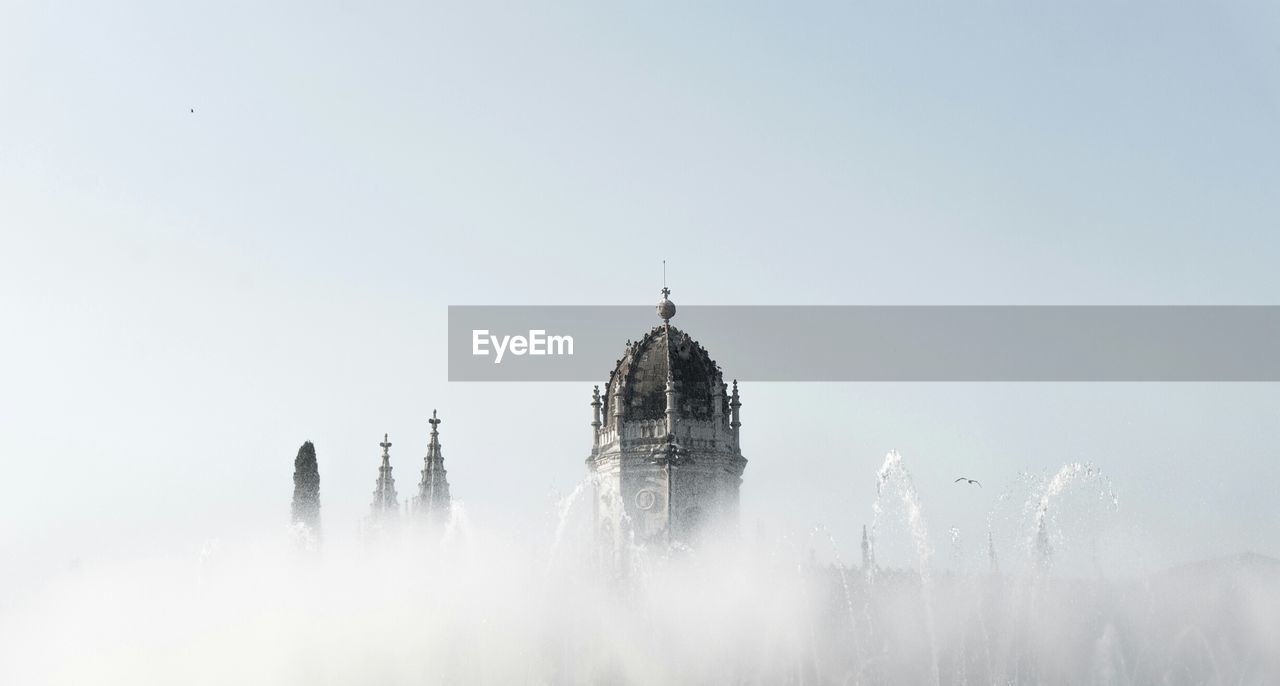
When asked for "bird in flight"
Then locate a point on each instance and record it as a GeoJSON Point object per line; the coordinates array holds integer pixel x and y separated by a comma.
{"type": "Point", "coordinates": [972, 481]}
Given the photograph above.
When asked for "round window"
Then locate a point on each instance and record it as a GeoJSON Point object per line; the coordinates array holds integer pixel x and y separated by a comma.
{"type": "Point", "coordinates": [646, 499]}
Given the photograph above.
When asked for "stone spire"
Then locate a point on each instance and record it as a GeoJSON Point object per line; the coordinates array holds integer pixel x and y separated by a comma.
{"type": "Point", "coordinates": [595, 410]}
{"type": "Point", "coordinates": [615, 404]}
{"type": "Point", "coordinates": [735, 418]}
{"type": "Point", "coordinates": [433, 491]}
{"type": "Point", "coordinates": [384, 492]}
{"type": "Point", "coordinates": [306, 489]}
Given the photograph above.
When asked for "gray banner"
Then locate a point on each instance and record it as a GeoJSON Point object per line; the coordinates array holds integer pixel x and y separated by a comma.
{"type": "Point", "coordinates": [919, 343]}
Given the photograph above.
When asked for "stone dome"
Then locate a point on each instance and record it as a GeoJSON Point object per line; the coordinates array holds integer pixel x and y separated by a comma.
{"type": "Point", "coordinates": [642, 372]}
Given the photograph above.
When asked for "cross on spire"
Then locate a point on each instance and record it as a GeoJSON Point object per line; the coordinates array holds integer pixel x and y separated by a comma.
{"type": "Point", "coordinates": [434, 421]}
{"type": "Point", "coordinates": [666, 308]}
{"type": "Point", "coordinates": [385, 444]}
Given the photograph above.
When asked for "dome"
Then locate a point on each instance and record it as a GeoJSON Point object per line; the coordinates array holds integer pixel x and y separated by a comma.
{"type": "Point", "coordinates": [642, 371]}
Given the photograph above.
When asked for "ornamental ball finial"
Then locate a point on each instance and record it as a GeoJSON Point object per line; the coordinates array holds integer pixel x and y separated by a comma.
{"type": "Point", "coordinates": [666, 308]}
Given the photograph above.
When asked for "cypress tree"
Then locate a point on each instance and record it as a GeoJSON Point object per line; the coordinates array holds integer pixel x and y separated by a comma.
{"type": "Point", "coordinates": [306, 488]}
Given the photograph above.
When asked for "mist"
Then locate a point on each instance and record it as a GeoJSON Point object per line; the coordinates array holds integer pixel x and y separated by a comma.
{"type": "Point", "coordinates": [465, 603]}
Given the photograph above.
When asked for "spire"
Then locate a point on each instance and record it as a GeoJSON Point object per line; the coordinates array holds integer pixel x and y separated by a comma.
{"type": "Point", "coordinates": [615, 403]}
{"type": "Point", "coordinates": [735, 418]}
{"type": "Point", "coordinates": [595, 408]}
{"type": "Point", "coordinates": [433, 490]}
{"type": "Point", "coordinates": [384, 492]}
{"type": "Point", "coordinates": [306, 488]}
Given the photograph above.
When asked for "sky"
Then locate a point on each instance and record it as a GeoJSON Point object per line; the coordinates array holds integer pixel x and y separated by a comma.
{"type": "Point", "coordinates": [227, 228]}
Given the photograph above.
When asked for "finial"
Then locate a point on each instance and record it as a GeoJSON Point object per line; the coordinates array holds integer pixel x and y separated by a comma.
{"type": "Point", "coordinates": [666, 308]}
{"type": "Point", "coordinates": [735, 412]}
{"type": "Point", "coordinates": [385, 444]}
{"type": "Point", "coordinates": [595, 408]}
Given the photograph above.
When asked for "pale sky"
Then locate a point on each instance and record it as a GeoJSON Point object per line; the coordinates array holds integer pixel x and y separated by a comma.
{"type": "Point", "coordinates": [187, 296]}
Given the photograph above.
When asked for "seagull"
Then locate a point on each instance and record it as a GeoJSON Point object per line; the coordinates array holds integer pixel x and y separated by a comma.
{"type": "Point", "coordinates": [972, 481]}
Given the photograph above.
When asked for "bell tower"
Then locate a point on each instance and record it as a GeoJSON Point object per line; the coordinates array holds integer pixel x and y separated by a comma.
{"type": "Point", "coordinates": [665, 456]}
